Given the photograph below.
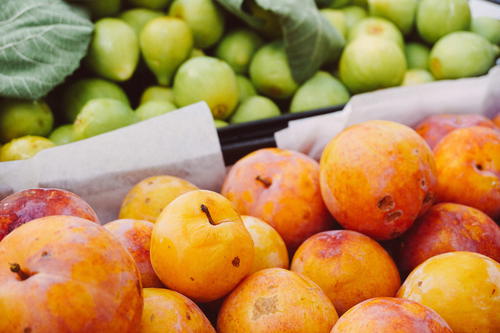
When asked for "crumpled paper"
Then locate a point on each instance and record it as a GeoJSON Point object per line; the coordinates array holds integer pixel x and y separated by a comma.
{"type": "Point", "coordinates": [407, 105]}
{"type": "Point", "coordinates": [102, 169]}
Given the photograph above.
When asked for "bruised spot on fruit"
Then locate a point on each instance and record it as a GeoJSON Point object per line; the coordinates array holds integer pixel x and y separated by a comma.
{"type": "Point", "coordinates": [436, 66]}
{"type": "Point", "coordinates": [428, 197]}
{"type": "Point", "coordinates": [191, 278]}
{"type": "Point", "coordinates": [386, 203]}
{"type": "Point", "coordinates": [375, 30]}
{"type": "Point", "coordinates": [393, 216]}
{"type": "Point", "coordinates": [152, 317]}
{"type": "Point", "coordinates": [21, 274]}
{"type": "Point", "coordinates": [419, 283]}
{"type": "Point", "coordinates": [479, 167]}
{"type": "Point", "coordinates": [205, 210]}
{"type": "Point", "coordinates": [188, 316]}
{"type": "Point", "coordinates": [219, 110]}
{"type": "Point", "coordinates": [423, 183]}
{"type": "Point", "coordinates": [45, 254]}
{"type": "Point", "coordinates": [236, 262]}
{"type": "Point", "coordinates": [27, 330]}
{"type": "Point", "coordinates": [265, 181]}
{"type": "Point", "coordinates": [265, 306]}
{"type": "Point", "coordinates": [147, 200]}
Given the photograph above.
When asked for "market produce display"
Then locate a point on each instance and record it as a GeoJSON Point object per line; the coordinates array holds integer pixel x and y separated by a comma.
{"type": "Point", "coordinates": [415, 243]}
{"type": "Point", "coordinates": [248, 60]}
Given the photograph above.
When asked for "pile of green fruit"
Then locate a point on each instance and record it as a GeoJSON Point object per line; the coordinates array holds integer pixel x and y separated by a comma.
{"type": "Point", "coordinates": [184, 51]}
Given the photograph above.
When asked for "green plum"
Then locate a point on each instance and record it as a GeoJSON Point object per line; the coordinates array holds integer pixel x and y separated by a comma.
{"type": "Point", "coordinates": [150, 4]}
{"type": "Point", "coordinates": [417, 76]}
{"type": "Point", "coordinates": [207, 79]}
{"type": "Point", "coordinates": [370, 63]}
{"type": "Point", "coordinates": [255, 108]}
{"type": "Point", "coordinates": [22, 117]}
{"type": "Point", "coordinates": [102, 115]}
{"type": "Point", "coordinates": [103, 8]}
{"type": "Point", "coordinates": [417, 56]}
{"type": "Point", "coordinates": [166, 42]}
{"type": "Point", "coordinates": [78, 93]}
{"type": "Point", "coordinates": [461, 54]}
{"type": "Point", "coordinates": [322, 90]}
{"type": "Point", "coordinates": [353, 14]}
{"type": "Point", "coordinates": [270, 72]}
{"type": "Point", "coordinates": [153, 109]}
{"type": "Point", "coordinates": [62, 134]}
{"type": "Point", "coordinates": [204, 17]}
{"type": "Point", "coordinates": [237, 49]}
{"type": "Point", "coordinates": [437, 18]}
{"type": "Point", "coordinates": [24, 147]}
{"type": "Point", "coordinates": [157, 93]}
{"type": "Point", "coordinates": [488, 27]}
{"type": "Point", "coordinates": [114, 50]}
{"type": "Point", "coordinates": [337, 20]}
{"type": "Point", "coordinates": [220, 123]}
{"type": "Point", "coordinates": [196, 53]}
{"type": "Point", "coordinates": [245, 87]}
{"type": "Point", "coordinates": [400, 12]}
{"type": "Point", "coordinates": [377, 27]}
{"type": "Point", "coordinates": [137, 18]}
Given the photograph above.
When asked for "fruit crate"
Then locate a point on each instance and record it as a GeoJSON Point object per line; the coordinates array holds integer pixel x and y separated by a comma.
{"type": "Point", "coordinates": [240, 139]}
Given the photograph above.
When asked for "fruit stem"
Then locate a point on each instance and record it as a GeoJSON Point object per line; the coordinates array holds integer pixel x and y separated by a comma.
{"type": "Point", "coordinates": [205, 210]}
{"type": "Point", "coordinates": [264, 181]}
{"type": "Point", "coordinates": [16, 268]}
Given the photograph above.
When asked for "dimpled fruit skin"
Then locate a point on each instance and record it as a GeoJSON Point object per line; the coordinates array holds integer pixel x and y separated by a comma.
{"type": "Point", "coordinates": [462, 287]}
{"type": "Point", "coordinates": [377, 177]}
{"type": "Point", "coordinates": [220, 91]}
{"type": "Point", "coordinates": [276, 300]}
{"type": "Point", "coordinates": [24, 206]}
{"type": "Point", "coordinates": [371, 63]}
{"type": "Point", "coordinates": [168, 311]}
{"type": "Point", "coordinates": [437, 18]}
{"type": "Point", "coordinates": [135, 236]}
{"type": "Point", "coordinates": [82, 279]}
{"type": "Point", "coordinates": [24, 147]}
{"type": "Point", "coordinates": [468, 169]}
{"type": "Point", "coordinates": [292, 203]}
{"type": "Point", "coordinates": [387, 314]}
{"type": "Point", "coordinates": [461, 54]}
{"type": "Point", "coordinates": [336, 260]}
{"type": "Point", "coordinates": [449, 227]}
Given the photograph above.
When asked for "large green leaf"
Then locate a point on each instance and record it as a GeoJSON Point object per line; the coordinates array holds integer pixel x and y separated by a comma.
{"type": "Point", "coordinates": [310, 40]}
{"type": "Point", "coordinates": [41, 42]}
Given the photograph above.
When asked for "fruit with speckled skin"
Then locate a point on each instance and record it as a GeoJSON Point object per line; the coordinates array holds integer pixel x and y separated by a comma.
{"type": "Point", "coordinates": [377, 177]}
{"type": "Point", "coordinates": [24, 206]}
{"type": "Point", "coordinates": [67, 274]}
{"type": "Point", "coordinates": [337, 262]}
{"type": "Point", "coordinates": [200, 246]}
{"type": "Point", "coordinates": [168, 311]}
{"type": "Point", "coordinates": [24, 147]}
{"type": "Point", "coordinates": [276, 300]}
{"type": "Point", "coordinates": [468, 169]}
{"type": "Point", "coordinates": [449, 227]}
{"type": "Point", "coordinates": [280, 187]}
{"type": "Point", "coordinates": [135, 236]}
{"type": "Point", "coordinates": [434, 128]}
{"type": "Point", "coordinates": [147, 199]}
{"type": "Point", "coordinates": [462, 287]}
{"type": "Point", "coordinates": [388, 314]}
{"type": "Point", "coordinates": [270, 249]}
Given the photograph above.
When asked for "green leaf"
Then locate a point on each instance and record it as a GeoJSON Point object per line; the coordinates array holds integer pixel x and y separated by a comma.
{"type": "Point", "coordinates": [41, 43]}
{"type": "Point", "coordinates": [310, 40]}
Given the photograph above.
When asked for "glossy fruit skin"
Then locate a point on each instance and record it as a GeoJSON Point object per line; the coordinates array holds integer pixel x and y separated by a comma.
{"type": "Point", "coordinates": [475, 58]}
{"type": "Point", "coordinates": [270, 249]}
{"type": "Point", "coordinates": [388, 314]}
{"type": "Point", "coordinates": [377, 27]}
{"type": "Point", "coordinates": [488, 27]}
{"type": "Point", "coordinates": [291, 203]}
{"type": "Point", "coordinates": [449, 227]}
{"type": "Point", "coordinates": [27, 205]}
{"type": "Point", "coordinates": [255, 108]}
{"type": "Point", "coordinates": [436, 19]}
{"type": "Point", "coordinates": [80, 279]}
{"type": "Point", "coordinates": [147, 199]}
{"type": "Point", "coordinates": [400, 12]}
{"type": "Point", "coordinates": [462, 287]}
{"type": "Point", "coordinates": [237, 49]}
{"type": "Point", "coordinates": [154, 109]}
{"type": "Point", "coordinates": [434, 128]}
{"type": "Point", "coordinates": [24, 147]}
{"type": "Point", "coordinates": [417, 56]}
{"type": "Point", "coordinates": [377, 177]}
{"type": "Point", "coordinates": [135, 236]}
{"type": "Point", "coordinates": [62, 135]}
{"type": "Point", "coordinates": [114, 50]}
{"type": "Point", "coordinates": [201, 260]}
{"type": "Point", "coordinates": [166, 42]}
{"type": "Point", "coordinates": [417, 76]}
{"type": "Point", "coordinates": [276, 300]}
{"type": "Point", "coordinates": [20, 118]}
{"type": "Point", "coordinates": [220, 92]}
{"type": "Point", "coordinates": [337, 262]}
{"type": "Point", "coordinates": [157, 93]}
{"type": "Point", "coordinates": [468, 169]}
{"type": "Point", "coordinates": [204, 18]}
{"type": "Point", "coordinates": [168, 311]}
